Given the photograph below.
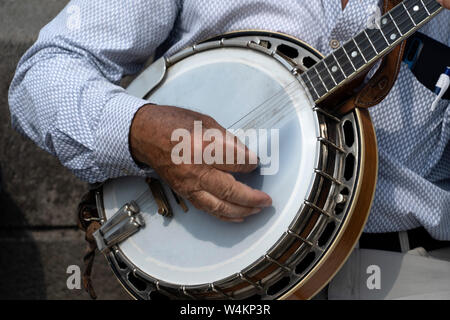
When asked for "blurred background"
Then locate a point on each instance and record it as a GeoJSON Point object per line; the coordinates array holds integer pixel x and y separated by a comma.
{"type": "Point", "coordinates": [39, 238]}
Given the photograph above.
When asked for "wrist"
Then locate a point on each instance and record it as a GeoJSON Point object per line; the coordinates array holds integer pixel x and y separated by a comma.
{"type": "Point", "coordinates": [140, 124]}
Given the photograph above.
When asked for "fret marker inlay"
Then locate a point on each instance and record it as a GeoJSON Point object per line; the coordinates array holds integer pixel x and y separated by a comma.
{"type": "Point", "coordinates": [357, 53]}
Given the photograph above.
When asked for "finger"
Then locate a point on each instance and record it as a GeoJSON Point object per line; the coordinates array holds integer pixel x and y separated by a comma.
{"type": "Point", "coordinates": [205, 201]}
{"type": "Point", "coordinates": [224, 186]}
{"type": "Point", "coordinates": [444, 3]}
{"type": "Point", "coordinates": [234, 220]}
{"type": "Point", "coordinates": [236, 156]}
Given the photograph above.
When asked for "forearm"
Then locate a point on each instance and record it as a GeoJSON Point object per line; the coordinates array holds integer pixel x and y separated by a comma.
{"type": "Point", "coordinates": [65, 96]}
{"type": "Point", "coordinates": [69, 109]}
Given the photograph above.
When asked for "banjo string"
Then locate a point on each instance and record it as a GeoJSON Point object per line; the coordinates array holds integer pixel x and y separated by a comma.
{"type": "Point", "coordinates": [274, 116]}
{"type": "Point", "coordinates": [404, 22]}
{"type": "Point", "coordinates": [272, 111]}
{"type": "Point", "coordinates": [269, 103]}
{"type": "Point", "coordinates": [280, 101]}
{"type": "Point", "coordinates": [288, 88]}
{"type": "Point", "coordinates": [260, 115]}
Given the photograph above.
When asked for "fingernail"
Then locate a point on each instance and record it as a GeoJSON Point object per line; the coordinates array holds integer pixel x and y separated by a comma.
{"type": "Point", "coordinates": [252, 157]}
{"type": "Point", "coordinates": [268, 202]}
{"type": "Point", "coordinates": [256, 210]}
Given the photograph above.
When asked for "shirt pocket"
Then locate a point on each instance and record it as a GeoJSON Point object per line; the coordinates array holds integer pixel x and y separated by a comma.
{"type": "Point", "coordinates": [408, 132]}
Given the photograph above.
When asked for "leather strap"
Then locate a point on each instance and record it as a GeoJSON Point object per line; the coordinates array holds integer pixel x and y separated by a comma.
{"type": "Point", "coordinates": [379, 86]}
{"type": "Point", "coordinates": [88, 221]}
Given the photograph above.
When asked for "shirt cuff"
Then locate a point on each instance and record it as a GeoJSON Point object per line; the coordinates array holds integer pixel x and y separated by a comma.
{"type": "Point", "coordinates": [113, 155]}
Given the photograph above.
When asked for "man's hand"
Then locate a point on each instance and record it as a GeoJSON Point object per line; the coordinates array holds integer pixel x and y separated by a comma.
{"type": "Point", "coordinates": [444, 3]}
{"type": "Point", "coordinates": [208, 187]}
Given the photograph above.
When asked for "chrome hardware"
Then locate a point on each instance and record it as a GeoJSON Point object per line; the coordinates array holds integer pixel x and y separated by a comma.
{"type": "Point", "coordinates": [92, 219]}
{"type": "Point", "coordinates": [297, 236]}
{"type": "Point", "coordinates": [325, 213]}
{"type": "Point", "coordinates": [163, 291]}
{"type": "Point", "coordinates": [99, 204]}
{"type": "Point", "coordinates": [124, 223]}
{"type": "Point", "coordinates": [327, 114]}
{"type": "Point", "coordinates": [187, 294]}
{"type": "Point", "coordinates": [282, 266]}
{"type": "Point", "coordinates": [327, 176]}
{"type": "Point", "coordinates": [213, 288]}
{"type": "Point", "coordinates": [331, 144]}
{"type": "Point", "coordinates": [254, 284]}
{"type": "Point", "coordinates": [340, 198]}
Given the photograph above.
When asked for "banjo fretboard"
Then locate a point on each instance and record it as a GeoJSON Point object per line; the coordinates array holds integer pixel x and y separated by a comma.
{"type": "Point", "coordinates": [369, 45]}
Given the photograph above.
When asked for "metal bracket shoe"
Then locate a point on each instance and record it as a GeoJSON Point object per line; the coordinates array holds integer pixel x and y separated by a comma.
{"type": "Point", "coordinates": [123, 224]}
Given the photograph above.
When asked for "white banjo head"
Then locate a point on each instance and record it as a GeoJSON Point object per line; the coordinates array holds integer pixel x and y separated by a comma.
{"type": "Point", "coordinates": [194, 248]}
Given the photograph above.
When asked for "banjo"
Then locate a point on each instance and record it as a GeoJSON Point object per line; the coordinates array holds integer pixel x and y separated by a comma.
{"type": "Point", "coordinates": [160, 246]}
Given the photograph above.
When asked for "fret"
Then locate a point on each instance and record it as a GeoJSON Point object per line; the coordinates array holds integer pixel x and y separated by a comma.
{"type": "Point", "coordinates": [321, 80]}
{"type": "Point", "coordinates": [331, 75]}
{"type": "Point", "coordinates": [353, 54]}
{"type": "Point", "coordinates": [359, 50]}
{"type": "Point", "coordinates": [341, 65]}
{"type": "Point", "coordinates": [316, 82]}
{"type": "Point", "coordinates": [395, 24]}
{"type": "Point", "coordinates": [382, 33]}
{"type": "Point", "coordinates": [328, 78]}
{"type": "Point", "coordinates": [432, 6]}
{"type": "Point", "coordinates": [365, 47]}
{"type": "Point", "coordinates": [334, 67]}
{"type": "Point", "coordinates": [412, 20]}
{"type": "Point", "coordinates": [389, 29]}
{"type": "Point", "coordinates": [408, 23]}
{"type": "Point", "coordinates": [345, 61]}
{"type": "Point", "coordinates": [377, 39]}
{"type": "Point", "coordinates": [370, 41]}
{"type": "Point", "coordinates": [309, 86]}
{"type": "Point", "coordinates": [416, 10]}
{"type": "Point", "coordinates": [324, 76]}
{"type": "Point", "coordinates": [403, 20]}
{"type": "Point", "coordinates": [425, 7]}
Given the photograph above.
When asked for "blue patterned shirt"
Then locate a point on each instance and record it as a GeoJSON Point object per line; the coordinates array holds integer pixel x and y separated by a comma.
{"type": "Point", "coordinates": [65, 94]}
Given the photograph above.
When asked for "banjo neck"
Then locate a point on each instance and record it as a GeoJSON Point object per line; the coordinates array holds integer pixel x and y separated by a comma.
{"type": "Point", "coordinates": [368, 46]}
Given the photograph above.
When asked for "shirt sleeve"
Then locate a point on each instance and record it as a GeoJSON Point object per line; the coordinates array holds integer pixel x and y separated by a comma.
{"type": "Point", "coordinates": [65, 94]}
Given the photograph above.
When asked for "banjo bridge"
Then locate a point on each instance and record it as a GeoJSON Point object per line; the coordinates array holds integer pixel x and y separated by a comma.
{"type": "Point", "coordinates": [157, 190]}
